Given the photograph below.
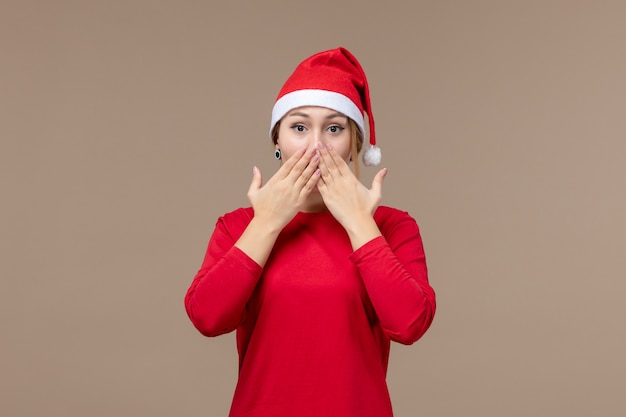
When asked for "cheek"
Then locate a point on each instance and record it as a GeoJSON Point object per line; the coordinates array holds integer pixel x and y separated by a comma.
{"type": "Point", "coordinates": [347, 152]}
{"type": "Point", "coordinates": [285, 144]}
{"type": "Point", "coordinates": [344, 149]}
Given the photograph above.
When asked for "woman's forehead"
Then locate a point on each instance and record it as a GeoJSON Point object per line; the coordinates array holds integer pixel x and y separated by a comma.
{"type": "Point", "coordinates": [307, 111]}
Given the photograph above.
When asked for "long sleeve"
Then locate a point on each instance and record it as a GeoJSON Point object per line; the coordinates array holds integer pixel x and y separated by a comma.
{"type": "Point", "coordinates": [394, 272]}
{"type": "Point", "coordinates": [216, 300]}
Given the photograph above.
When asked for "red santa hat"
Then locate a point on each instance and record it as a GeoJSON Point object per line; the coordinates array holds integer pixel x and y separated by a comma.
{"type": "Point", "coordinates": [332, 79]}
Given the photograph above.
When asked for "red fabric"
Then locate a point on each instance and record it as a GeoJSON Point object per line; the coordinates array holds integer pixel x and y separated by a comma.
{"type": "Point", "coordinates": [314, 326]}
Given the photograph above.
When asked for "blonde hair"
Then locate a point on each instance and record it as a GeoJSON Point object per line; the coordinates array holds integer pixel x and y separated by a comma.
{"type": "Point", "coordinates": [356, 143]}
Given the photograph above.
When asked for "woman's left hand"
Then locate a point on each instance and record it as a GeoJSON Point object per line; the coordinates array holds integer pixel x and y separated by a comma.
{"type": "Point", "coordinates": [349, 201]}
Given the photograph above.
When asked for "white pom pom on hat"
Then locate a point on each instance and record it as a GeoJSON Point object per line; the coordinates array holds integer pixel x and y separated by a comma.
{"type": "Point", "coordinates": [372, 156]}
{"type": "Point", "coordinates": [332, 79]}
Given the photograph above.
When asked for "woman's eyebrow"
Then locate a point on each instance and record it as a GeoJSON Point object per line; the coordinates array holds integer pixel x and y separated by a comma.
{"type": "Point", "coordinates": [302, 114]}
{"type": "Point", "coordinates": [298, 113]}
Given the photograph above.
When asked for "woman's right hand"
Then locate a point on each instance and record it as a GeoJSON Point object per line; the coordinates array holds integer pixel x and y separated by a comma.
{"type": "Point", "coordinates": [278, 201]}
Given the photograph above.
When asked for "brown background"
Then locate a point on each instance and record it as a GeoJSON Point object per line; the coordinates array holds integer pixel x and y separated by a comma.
{"type": "Point", "coordinates": [128, 127]}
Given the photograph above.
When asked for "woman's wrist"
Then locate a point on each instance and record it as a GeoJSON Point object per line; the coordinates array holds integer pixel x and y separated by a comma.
{"type": "Point", "coordinates": [361, 229]}
{"type": "Point", "coordinates": [258, 239]}
{"type": "Point", "coordinates": [263, 227]}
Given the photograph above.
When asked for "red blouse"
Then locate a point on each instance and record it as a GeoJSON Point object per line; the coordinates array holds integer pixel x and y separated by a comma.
{"type": "Point", "coordinates": [314, 326]}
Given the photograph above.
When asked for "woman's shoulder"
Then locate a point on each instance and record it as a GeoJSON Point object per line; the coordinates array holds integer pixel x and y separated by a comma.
{"type": "Point", "coordinates": [237, 219]}
{"type": "Point", "coordinates": [241, 212]}
{"type": "Point", "coordinates": [386, 212]}
{"type": "Point", "coordinates": [389, 217]}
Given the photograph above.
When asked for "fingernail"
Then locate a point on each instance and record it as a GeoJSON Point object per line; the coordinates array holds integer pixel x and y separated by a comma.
{"type": "Point", "coordinates": [329, 147]}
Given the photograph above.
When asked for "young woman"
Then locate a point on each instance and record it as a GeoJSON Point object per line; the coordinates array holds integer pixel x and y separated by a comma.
{"type": "Point", "coordinates": [315, 276]}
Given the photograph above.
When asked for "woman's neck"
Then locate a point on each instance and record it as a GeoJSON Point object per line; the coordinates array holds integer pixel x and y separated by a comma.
{"type": "Point", "coordinates": [314, 203]}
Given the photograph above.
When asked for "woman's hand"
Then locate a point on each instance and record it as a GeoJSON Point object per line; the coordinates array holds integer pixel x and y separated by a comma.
{"type": "Point", "coordinates": [349, 201]}
{"type": "Point", "coordinates": [278, 201]}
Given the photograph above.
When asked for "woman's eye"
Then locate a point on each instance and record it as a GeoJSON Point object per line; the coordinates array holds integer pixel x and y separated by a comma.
{"type": "Point", "coordinates": [298, 128]}
{"type": "Point", "coordinates": [335, 129]}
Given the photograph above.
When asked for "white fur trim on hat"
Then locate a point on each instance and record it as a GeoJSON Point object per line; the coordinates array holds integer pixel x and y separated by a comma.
{"type": "Point", "coordinates": [322, 98]}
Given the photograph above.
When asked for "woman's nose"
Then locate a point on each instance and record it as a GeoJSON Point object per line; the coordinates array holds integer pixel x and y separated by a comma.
{"type": "Point", "coordinates": [317, 134]}
{"type": "Point", "coordinates": [316, 139]}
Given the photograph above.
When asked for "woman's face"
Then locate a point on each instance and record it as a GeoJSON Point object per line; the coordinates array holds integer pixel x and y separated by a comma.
{"type": "Point", "coordinates": [310, 125]}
